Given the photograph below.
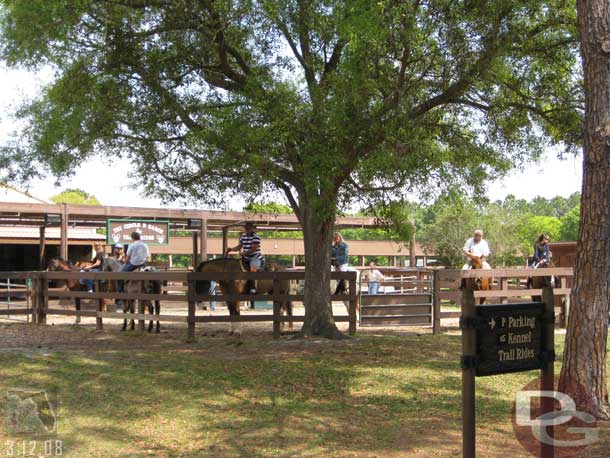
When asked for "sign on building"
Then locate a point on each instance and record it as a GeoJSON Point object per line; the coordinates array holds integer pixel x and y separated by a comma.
{"type": "Point", "coordinates": [153, 232]}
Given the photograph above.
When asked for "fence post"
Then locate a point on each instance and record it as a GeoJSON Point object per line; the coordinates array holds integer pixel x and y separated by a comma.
{"type": "Point", "coordinates": [548, 369]}
{"type": "Point", "coordinates": [565, 305]}
{"type": "Point", "coordinates": [192, 305]}
{"type": "Point", "coordinates": [353, 304]}
{"type": "Point", "coordinates": [276, 308]}
{"type": "Point", "coordinates": [43, 289]}
{"type": "Point", "coordinates": [99, 325]}
{"type": "Point", "coordinates": [436, 301]}
{"type": "Point", "coordinates": [469, 350]}
{"type": "Point", "coordinates": [34, 297]}
{"type": "Point", "coordinates": [504, 287]}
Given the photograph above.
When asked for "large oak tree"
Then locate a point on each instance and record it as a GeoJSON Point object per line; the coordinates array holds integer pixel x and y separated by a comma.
{"type": "Point", "coordinates": [325, 101]}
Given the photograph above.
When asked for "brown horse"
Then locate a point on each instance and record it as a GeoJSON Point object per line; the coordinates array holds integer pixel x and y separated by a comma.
{"type": "Point", "coordinates": [61, 265]}
{"type": "Point", "coordinates": [541, 282]}
{"type": "Point", "coordinates": [231, 287]}
{"type": "Point", "coordinates": [478, 284]}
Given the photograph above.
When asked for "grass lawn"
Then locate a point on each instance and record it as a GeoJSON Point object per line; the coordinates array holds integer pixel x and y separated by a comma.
{"type": "Point", "coordinates": [371, 396]}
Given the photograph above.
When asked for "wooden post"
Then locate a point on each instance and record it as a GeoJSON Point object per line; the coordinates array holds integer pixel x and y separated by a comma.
{"type": "Point", "coordinates": [195, 249]}
{"type": "Point", "coordinates": [43, 297]}
{"type": "Point", "coordinates": [192, 305]}
{"type": "Point", "coordinates": [225, 240]}
{"type": "Point", "coordinates": [504, 287]}
{"type": "Point", "coordinates": [436, 301]}
{"type": "Point", "coordinates": [469, 350]}
{"type": "Point", "coordinates": [565, 305]}
{"type": "Point", "coordinates": [203, 237]}
{"type": "Point", "coordinates": [353, 305]}
{"type": "Point", "coordinates": [63, 245]}
{"type": "Point", "coordinates": [99, 325]}
{"type": "Point", "coordinates": [140, 310]}
{"type": "Point", "coordinates": [35, 297]}
{"type": "Point", "coordinates": [412, 260]}
{"type": "Point", "coordinates": [548, 370]}
{"type": "Point", "coordinates": [276, 309]}
{"type": "Point", "coordinates": [42, 246]}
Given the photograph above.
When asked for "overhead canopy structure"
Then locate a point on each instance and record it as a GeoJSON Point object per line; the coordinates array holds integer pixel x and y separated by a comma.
{"type": "Point", "coordinates": [199, 222]}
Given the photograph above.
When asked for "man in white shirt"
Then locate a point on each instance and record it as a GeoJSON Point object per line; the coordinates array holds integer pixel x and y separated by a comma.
{"type": "Point", "coordinates": [476, 246]}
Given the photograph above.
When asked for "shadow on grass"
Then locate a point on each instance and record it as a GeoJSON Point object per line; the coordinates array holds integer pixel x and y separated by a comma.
{"type": "Point", "coordinates": [382, 396]}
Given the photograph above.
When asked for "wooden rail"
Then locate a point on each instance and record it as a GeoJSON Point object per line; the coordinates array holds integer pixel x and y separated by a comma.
{"type": "Point", "coordinates": [508, 285]}
{"type": "Point", "coordinates": [40, 294]}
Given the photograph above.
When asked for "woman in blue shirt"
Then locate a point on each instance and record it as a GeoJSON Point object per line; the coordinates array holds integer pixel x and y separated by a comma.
{"type": "Point", "coordinates": [541, 251]}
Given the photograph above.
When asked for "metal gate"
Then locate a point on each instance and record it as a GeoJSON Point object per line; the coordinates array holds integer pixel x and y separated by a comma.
{"type": "Point", "coordinates": [406, 300]}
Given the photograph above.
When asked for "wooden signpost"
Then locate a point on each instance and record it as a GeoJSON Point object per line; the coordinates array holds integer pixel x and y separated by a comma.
{"type": "Point", "coordinates": [500, 339]}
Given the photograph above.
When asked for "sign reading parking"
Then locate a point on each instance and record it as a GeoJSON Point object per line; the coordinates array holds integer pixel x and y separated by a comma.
{"type": "Point", "coordinates": [509, 338]}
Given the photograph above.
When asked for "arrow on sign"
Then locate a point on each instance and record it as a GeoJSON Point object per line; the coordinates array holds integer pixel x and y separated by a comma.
{"type": "Point", "coordinates": [503, 338]}
{"type": "Point", "coordinates": [492, 323]}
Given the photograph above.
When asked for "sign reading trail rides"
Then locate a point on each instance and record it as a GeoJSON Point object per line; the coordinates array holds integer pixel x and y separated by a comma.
{"type": "Point", "coordinates": [151, 232]}
{"type": "Point", "coordinates": [509, 338]}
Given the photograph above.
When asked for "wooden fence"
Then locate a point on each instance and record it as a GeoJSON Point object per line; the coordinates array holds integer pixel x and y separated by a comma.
{"type": "Point", "coordinates": [40, 293]}
{"type": "Point", "coordinates": [508, 286]}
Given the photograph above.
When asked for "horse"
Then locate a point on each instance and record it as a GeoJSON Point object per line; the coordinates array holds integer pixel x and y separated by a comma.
{"type": "Point", "coordinates": [478, 284]}
{"type": "Point", "coordinates": [542, 282]}
{"type": "Point", "coordinates": [146, 287]}
{"type": "Point", "coordinates": [61, 265]}
{"type": "Point", "coordinates": [231, 287]}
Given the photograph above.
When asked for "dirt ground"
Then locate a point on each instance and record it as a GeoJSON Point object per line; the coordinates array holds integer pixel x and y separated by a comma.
{"type": "Point", "coordinates": [61, 332]}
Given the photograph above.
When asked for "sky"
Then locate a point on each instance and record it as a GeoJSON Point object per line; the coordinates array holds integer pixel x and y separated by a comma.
{"type": "Point", "coordinates": [548, 178]}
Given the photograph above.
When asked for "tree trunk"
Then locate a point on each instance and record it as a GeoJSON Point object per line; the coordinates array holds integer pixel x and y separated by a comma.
{"type": "Point", "coordinates": [317, 237]}
{"type": "Point", "coordinates": [583, 375]}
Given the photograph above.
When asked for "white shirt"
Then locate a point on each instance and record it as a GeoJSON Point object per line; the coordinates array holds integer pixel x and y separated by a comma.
{"type": "Point", "coordinates": [138, 253]}
{"type": "Point", "coordinates": [375, 276]}
{"type": "Point", "coordinates": [477, 249]}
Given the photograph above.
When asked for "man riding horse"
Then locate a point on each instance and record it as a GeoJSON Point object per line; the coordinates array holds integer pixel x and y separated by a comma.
{"type": "Point", "coordinates": [476, 250]}
{"type": "Point", "coordinates": [249, 247]}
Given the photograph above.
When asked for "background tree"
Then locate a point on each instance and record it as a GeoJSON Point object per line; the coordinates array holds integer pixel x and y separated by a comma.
{"type": "Point", "coordinates": [327, 101]}
{"type": "Point", "coordinates": [531, 227]}
{"type": "Point", "coordinates": [583, 374]}
{"type": "Point", "coordinates": [569, 225]}
{"type": "Point", "coordinates": [75, 196]}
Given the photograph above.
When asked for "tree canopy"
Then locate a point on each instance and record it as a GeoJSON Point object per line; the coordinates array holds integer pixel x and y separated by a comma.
{"type": "Point", "coordinates": [327, 101]}
{"type": "Point", "coordinates": [75, 196]}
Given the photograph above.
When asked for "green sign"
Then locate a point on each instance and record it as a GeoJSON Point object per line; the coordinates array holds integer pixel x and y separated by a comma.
{"type": "Point", "coordinates": [152, 232]}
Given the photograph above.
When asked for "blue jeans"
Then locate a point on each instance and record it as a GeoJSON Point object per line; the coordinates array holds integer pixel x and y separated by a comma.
{"type": "Point", "coordinates": [212, 291]}
{"type": "Point", "coordinates": [374, 287]}
{"type": "Point", "coordinates": [253, 262]}
{"type": "Point", "coordinates": [129, 267]}
{"type": "Point", "coordinates": [89, 284]}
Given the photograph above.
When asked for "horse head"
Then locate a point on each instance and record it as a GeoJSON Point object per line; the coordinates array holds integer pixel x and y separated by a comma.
{"type": "Point", "coordinates": [476, 262]}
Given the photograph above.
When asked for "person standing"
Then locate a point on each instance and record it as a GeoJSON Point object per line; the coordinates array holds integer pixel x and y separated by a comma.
{"type": "Point", "coordinates": [340, 259]}
{"type": "Point", "coordinates": [340, 253]}
{"type": "Point", "coordinates": [97, 263]}
{"type": "Point", "coordinates": [374, 278]}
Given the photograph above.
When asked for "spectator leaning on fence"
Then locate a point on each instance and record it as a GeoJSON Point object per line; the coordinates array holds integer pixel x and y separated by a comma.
{"type": "Point", "coordinates": [340, 253]}
{"type": "Point", "coordinates": [374, 278]}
